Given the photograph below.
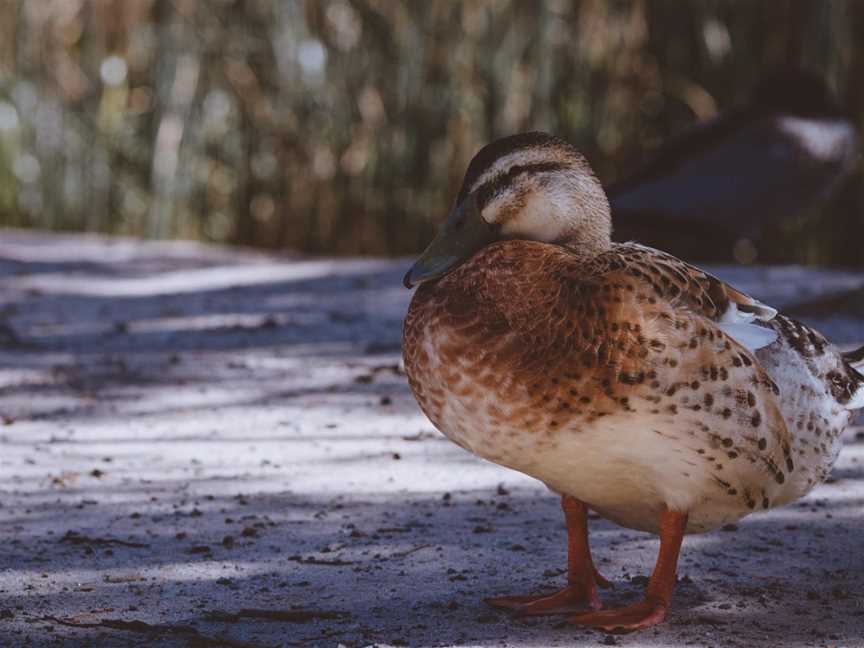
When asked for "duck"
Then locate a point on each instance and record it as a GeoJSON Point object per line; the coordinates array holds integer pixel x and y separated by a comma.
{"type": "Point", "coordinates": [787, 151]}
{"type": "Point", "coordinates": [631, 383]}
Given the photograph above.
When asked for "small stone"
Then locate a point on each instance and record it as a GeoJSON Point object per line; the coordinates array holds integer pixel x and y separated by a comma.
{"type": "Point", "coordinates": [199, 549]}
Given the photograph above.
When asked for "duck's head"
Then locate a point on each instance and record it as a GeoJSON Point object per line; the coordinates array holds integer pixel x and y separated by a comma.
{"type": "Point", "coordinates": [532, 186]}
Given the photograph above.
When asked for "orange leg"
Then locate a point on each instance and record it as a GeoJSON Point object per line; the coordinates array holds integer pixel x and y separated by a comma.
{"type": "Point", "coordinates": [582, 576]}
{"type": "Point", "coordinates": [652, 609]}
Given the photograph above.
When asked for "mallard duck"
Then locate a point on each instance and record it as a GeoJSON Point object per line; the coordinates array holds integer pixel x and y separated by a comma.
{"type": "Point", "coordinates": [628, 381]}
{"type": "Point", "coordinates": [788, 150]}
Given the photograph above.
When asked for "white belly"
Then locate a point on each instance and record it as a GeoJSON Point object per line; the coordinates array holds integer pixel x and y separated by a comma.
{"type": "Point", "coordinates": [627, 473]}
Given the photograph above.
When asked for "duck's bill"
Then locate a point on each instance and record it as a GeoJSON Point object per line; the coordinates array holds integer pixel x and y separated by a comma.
{"type": "Point", "coordinates": [464, 234]}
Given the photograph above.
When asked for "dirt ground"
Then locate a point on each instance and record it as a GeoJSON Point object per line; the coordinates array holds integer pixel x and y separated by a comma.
{"type": "Point", "coordinates": [207, 447]}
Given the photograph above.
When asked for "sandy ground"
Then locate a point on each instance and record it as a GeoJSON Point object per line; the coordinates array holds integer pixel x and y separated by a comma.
{"type": "Point", "coordinates": [202, 447]}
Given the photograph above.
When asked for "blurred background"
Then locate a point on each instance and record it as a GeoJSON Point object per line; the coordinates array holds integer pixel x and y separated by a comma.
{"type": "Point", "coordinates": [344, 126]}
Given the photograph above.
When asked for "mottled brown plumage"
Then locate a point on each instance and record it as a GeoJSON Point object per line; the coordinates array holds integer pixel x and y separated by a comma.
{"type": "Point", "coordinates": [529, 341]}
{"type": "Point", "coordinates": [619, 375]}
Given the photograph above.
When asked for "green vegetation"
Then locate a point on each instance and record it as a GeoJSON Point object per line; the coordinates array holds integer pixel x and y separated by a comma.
{"type": "Point", "coordinates": [344, 126]}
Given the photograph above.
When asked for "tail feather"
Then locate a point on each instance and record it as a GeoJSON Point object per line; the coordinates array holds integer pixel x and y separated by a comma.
{"type": "Point", "coordinates": [857, 400]}
{"type": "Point", "coordinates": [736, 323]}
{"type": "Point", "coordinates": [855, 360]}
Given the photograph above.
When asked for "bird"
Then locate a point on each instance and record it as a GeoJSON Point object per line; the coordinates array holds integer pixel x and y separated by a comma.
{"type": "Point", "coordinates": [631, 383]}
{"type": "Point", "coordinates": [787, 151]}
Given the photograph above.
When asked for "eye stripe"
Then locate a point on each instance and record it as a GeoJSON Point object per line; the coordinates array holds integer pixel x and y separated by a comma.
{"type": "Point", "coordinates": [534, 143]}
{"type": "Point", "coordinates": [491, 188]}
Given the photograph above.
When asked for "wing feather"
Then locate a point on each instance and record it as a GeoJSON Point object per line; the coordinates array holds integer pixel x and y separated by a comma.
{"type": "Point", "coordinates": [733, 311]}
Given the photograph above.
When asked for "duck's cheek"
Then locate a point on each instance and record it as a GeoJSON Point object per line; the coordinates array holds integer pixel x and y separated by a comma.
{"type": "Point", "coordinates": [536, 217]}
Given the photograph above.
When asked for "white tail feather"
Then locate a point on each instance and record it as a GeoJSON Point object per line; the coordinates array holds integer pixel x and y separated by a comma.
{"type": "Point", "coordinates": [750, 336]}
{"type": "Point", "coordinates": [857, 400]}
{"type": "Point", "coordinates": [738, 326]}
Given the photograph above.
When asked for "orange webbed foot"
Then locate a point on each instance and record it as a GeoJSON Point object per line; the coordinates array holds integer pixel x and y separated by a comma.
{"type": "Point", "coordinates": [565, 601]}
{"type": "Point", "coordinates": [582, 577]}
{"type": "Point", "coordinates": [637, 616]}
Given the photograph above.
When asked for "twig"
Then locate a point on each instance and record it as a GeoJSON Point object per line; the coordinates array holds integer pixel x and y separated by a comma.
{"type": "Point", "coordinates": [143, 627]}
{"type": "Point", "coordinates": [291, 616]}
{"type": "Point", "coordinates": [402, 554]}
{"type": "Point", "coordinates": [336, 562]}
{"type": "Point", "coordinates": [73, 537]}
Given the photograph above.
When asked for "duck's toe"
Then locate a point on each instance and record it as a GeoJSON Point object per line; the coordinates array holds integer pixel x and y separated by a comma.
{"type": "Point", "coordinates": [565, 601]}
{"type": "Point", "coordinates": [637, 616]}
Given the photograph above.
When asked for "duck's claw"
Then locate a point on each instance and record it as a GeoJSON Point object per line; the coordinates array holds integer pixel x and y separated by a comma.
{"type": "Point", "coordinates": [565, 601]}
{"type": "Point", "coordinates": [638, 616]}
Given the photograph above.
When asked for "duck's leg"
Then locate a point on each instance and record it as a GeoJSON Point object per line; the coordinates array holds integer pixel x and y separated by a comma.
{"type": "Point", "coordinates": [652, 609]}
{"type": "Point", "coordinates": [582, 576]}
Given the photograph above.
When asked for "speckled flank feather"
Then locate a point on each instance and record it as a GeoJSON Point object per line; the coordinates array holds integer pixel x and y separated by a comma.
{"type": "Point", "coordinates": [816, 398]}
{"type": "Point", "coordinates": [610, 379]}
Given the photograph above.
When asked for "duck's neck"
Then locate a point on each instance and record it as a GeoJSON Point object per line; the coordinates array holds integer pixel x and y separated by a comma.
{"type": "Point", "coordinates": [584, 207]}
{"type": "Point", "coordinates": [591, 239]}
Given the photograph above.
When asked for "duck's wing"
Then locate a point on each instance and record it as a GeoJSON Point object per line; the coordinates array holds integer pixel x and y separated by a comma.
{"type": "Point", "coordinates": [735, 313]}
{"type": "Point", "coordinates": [746, 320]}
{"type": "Point", "coordinates": [696, 340]}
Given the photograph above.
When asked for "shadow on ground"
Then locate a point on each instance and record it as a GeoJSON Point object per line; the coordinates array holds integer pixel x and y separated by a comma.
{"type": "Point", "coordinates": [412, 571]}
{"type": "Point", "coordinates": [191, 436]}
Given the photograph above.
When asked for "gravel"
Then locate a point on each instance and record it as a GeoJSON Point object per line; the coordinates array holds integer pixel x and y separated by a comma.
{"type": "Point", "coordinates": [211, 447]}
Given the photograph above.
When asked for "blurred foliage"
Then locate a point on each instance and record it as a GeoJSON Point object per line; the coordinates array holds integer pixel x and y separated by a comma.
{"type": "Point", "coordinates": [344, 126]}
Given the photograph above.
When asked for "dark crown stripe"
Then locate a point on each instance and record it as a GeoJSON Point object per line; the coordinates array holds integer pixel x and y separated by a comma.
{"type": "Point", "coordinates": [493, 187]}
{"type": "Point", "coordinates": [491, 153]}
